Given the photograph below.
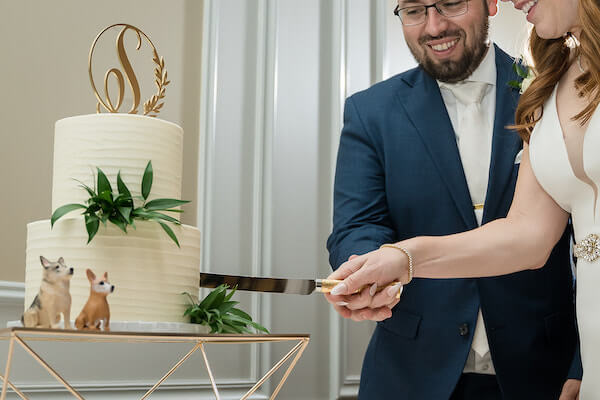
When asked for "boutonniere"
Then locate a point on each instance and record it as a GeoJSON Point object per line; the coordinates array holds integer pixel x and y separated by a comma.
{"type": "Point", "coordinates": [525, 74]}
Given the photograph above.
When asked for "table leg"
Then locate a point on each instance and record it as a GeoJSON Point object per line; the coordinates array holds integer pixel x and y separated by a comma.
{"type": "Point", "coordinates": [289, 370]}
{"type": "Point", "coordinates": [48, 368]}
{"type": "Point", "coordinates": [273, 369]}
{"type": "Point", "coordinates": [210, 375]}
{"type": "Point", "coordinates": [11, 348]}
{"type": "Point", "coordinates": [14, 388]}
{"type": "Point", "coordinates": [161, 380]}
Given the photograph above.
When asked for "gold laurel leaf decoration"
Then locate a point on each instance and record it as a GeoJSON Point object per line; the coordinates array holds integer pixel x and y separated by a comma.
{"type": "Point", "coordinates": [160, 72]}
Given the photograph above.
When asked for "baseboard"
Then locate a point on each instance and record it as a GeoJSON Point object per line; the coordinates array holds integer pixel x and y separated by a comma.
{"type": "Point", "coordinates": [349, 389]}
{"type": "Point", "coordinates": [12, 297]}
{"type": "Point", "coordinates": [12, 292]}
{"type": "Point", "coordinates": [134, 390]}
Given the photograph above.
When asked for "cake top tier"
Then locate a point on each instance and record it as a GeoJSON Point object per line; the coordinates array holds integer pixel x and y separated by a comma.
{"type": "Point", "coordinates": [113, 143]}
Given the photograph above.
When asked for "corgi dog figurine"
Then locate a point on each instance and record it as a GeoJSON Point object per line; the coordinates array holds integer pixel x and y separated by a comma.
{"type": "Point", "coordinates": [96, 312]}
{"type": "Point", "coordinates": [53, 298]}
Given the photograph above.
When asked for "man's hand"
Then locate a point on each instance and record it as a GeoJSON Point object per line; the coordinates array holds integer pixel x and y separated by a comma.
{"type": "Point", "coordinates": [570, 390]}
{"type": "Point", "coordinates": [369, 304]}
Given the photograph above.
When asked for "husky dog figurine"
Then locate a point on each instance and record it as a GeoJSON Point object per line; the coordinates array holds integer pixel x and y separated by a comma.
{"type": "Point", "coordinates": [53, 298]}
{"type": "Point", "coordinates": [96, 312]}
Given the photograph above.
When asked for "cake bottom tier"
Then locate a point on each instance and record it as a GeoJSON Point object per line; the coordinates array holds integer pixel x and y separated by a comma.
{"type": "Point", "coordinates": [147, 268]}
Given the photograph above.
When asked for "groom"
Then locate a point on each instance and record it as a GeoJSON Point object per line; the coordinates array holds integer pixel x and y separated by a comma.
{"type": "Point", "coordinates": [427, 152]}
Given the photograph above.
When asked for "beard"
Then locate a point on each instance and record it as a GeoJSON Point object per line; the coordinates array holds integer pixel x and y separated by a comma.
{"type": "Point", "coordinates": [453, 71]}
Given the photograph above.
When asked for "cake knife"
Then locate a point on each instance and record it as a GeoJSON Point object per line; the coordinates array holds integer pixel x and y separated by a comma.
{"type": "Point", "coordinates": [271, 285]}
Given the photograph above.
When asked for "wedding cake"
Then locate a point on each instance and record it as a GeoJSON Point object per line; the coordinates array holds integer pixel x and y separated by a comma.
{"type": "Point", "coordinates": [147, 268]}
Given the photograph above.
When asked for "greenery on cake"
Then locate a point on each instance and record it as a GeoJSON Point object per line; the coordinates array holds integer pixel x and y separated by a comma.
{"type": "Point", "coordinates": [218, 311]}
{"type": "Point", "coordinates": [119, 208]}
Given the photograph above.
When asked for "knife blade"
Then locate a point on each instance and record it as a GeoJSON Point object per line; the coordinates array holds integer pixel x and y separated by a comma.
{"type": "Point", "coordinates": [271, 285]}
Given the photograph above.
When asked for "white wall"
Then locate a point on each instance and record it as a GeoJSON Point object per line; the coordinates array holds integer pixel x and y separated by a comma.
{"type": "Point", "coordinates": [274, 75]}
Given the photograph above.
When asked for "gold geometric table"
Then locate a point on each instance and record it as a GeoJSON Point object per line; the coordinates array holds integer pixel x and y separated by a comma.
{"type": "Point", "coordinates": [22, 336]}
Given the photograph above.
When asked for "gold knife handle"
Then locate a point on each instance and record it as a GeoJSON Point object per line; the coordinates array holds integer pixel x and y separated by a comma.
{"type": "Point", "coordinates": [325, 286]}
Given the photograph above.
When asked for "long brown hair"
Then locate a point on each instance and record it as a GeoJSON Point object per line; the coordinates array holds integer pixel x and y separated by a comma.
{"type": "Point", "coordinates": [551, 59]}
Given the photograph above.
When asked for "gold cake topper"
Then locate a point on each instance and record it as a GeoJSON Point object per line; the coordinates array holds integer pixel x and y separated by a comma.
{"type": "Point", "coordinates": [151, 106]}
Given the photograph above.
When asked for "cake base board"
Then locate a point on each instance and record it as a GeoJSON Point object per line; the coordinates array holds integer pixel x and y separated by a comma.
{"type": "Point", "coordinates": [142, 326]}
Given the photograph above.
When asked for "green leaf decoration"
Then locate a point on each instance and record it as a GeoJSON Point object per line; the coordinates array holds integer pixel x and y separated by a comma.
{"type": "Point", "coordinates": [88, 189]}
{"type": "Point", "coordinates": [259, 327]}
{"type": "Point", "coordinates": [522, 71]}
{"type": "Point", "coordinates": [163, 204]}
{"type": "Point", "coordinates": [154, 215]}
{"type": "Point", "coordinates": [140, 213]}
{"type": "Point", "coordinates": [218, 311]}
{"type": "Point", "coordinates": [119, 222]}
{"type": "Point", "coordinates": [218, 302]}
{"type": "Point", "coordinates": [147, 180]}
{"type": "Point", "coordinates": [208, 300]}
{"type": "Point", "coordinates": [61, 211]}
{"type": "Point", "coordinates": [170, 232]}
{"type": "Point", "coordinates": [514, 84]}
{"type": "Point", "coordinates": [240, 313]}
{"type": "Point", "coordinates": [106, 195]}
{"type": "Point", "coordinates": [105, 206]}
{"type": "Point", "coordinates": [226, 306]}
{"type": "Point", "coordinates": [125, 212]}
{"type": "Point", "coordinates": [93, 208]}
{"type": "Point", "coordinates": [189, 296]}
{"type": "Point", "coordinates": [230, 295]}
{"type": "Point", "coordinates": [248, 322]}
{"type": "Point", "coordinates": [122, 187]}
{"type": "Point", "coordinates": [103, 183]}
{"type": "Point", "coordinates": [91, 225]}
{"type": "Point", "coordinates": [104, 218]}
{"type": "Point", "coordinates": [232, 329]}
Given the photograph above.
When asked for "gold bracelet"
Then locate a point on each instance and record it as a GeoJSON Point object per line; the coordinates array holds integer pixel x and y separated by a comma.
{"type": "Point", "coordinates": [410, 260]}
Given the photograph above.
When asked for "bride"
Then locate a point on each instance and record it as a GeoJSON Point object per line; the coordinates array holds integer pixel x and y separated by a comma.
{"type": "Point", "coordinates": [558, 179]}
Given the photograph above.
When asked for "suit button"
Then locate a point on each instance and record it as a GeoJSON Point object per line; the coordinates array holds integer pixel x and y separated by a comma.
{"type": "Point", "coordinates": [463, 330]}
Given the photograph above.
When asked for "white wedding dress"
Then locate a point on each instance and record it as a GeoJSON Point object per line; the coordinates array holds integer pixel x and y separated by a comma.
{"type": "Point", "coordinates": [569, 170]}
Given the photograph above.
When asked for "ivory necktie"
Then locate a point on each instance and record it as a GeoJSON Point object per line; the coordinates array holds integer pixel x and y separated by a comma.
{"type": "Point", "coordinates": [474, 145]}
{"type": "Point", "coordinates": [474, 141]}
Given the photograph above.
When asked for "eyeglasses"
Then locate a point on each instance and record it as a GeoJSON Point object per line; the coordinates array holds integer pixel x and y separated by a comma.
{"type": "Point", "coordinates": [416, 15]}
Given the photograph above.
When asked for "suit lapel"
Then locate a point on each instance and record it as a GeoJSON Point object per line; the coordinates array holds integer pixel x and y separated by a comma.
{"type": "Point", "coordinates": [425, 108]}
{"type": "Point", "coordinates": [505, 143]}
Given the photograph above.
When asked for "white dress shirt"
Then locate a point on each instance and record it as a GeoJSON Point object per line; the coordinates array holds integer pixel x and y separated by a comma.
{"type": "Point", "coordinates": [486, 72]}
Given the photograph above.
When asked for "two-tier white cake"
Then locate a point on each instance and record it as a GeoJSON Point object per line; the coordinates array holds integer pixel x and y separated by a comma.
{"type": "Point", "coordinates": [148, 269]}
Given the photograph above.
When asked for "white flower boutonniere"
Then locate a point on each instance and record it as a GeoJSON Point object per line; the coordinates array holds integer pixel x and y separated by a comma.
{"type": "Point", "coordinates": [526, 82]}
{"type": "Point", "coordinates": [525, 74]}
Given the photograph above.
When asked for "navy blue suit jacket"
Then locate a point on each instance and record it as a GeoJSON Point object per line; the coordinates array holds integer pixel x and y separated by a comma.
{"type": "Point", "coordinates": [399, 175]}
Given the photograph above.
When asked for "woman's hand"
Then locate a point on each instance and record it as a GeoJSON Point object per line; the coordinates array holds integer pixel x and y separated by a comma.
{"type": "Point", "coordinates": [368, 272]}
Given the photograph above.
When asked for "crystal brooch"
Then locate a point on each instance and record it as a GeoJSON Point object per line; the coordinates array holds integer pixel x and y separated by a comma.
{"type": "Point", "coordinates": [588, 248]}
